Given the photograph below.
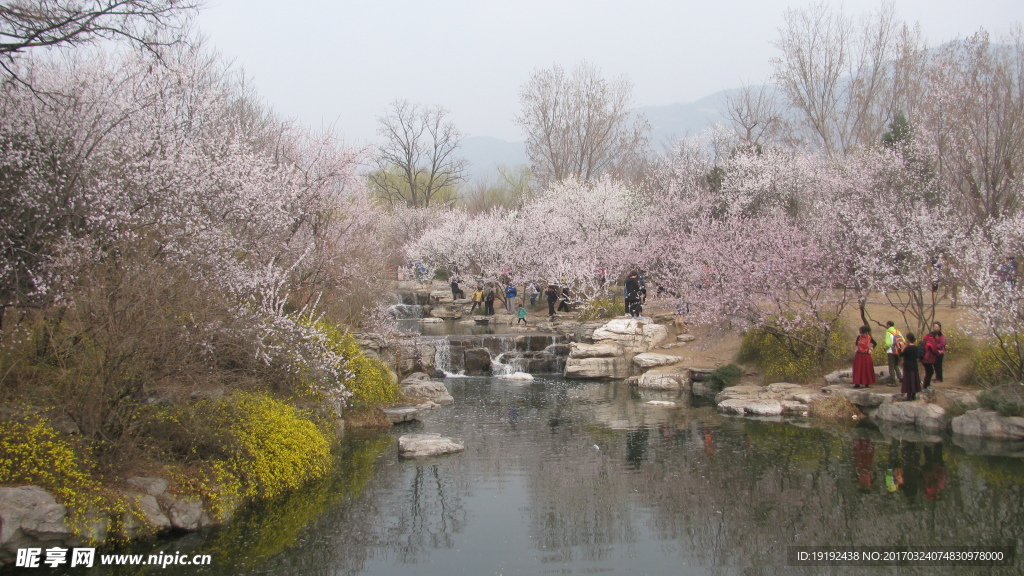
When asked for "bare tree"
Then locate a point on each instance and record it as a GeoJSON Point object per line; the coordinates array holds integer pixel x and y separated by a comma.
{"type": "Point", "coordinates": [756, 115]}
{"type": "Point", "coordinates": [973, 118]}
{"type": "Point", "coordinates": [416, 165]}
{"type": "Point", "coordinates": [27, 24]}
{"type": "Point", "coordinates": [581, 126]}
{"type": "Point", "coordinates": [846, 79]}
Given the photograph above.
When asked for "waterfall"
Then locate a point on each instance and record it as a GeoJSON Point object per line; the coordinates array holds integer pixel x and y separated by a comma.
{"type": "Point", "coordinates": [443, 359]}
{"type": "Point", "coordinates": [506, 360]}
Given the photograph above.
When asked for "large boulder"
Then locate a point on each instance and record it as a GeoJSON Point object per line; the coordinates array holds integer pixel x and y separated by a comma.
{"type": "Point", "coordinates": [30, 517]}
{"type": "Point", "coordinates": [145, 518]}
{"type": "Point", "coordinates": [751, 407]}
{"type": "Point", "coordinates": [447, 311]}
{"type": "Point", "coordinates": [632, 334]}
{"type": "Point", "coordinates": [422, 445]}
{"type": "Point", "coordinates": [478, 362]}
{"type": "Point", "coordinates": [427, 389]}
{"type": "Point", "coordinates": [184, 513]}
{"type": "Point", "coordinates": [989, 424]}
{"type": "Point", "coordinates": [665, 380]}
{"type": "Point", "coordinates": [601, 350]}
{"type": "Point", "coordinates": [647, 360]}
{"type": "Point", "coordinates": [399, 414]}
{"type": "Point", "coordinates": [845, 376]}
{"type": "Point", "coordinates": [585, 368]}
{"type": "Point", "coordinates": [916, 413]}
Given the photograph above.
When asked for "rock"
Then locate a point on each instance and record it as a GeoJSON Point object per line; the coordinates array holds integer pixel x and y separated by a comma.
{"type": "Point", "coordinates": [427, 389]}
{"type": "Point", "coordinates": [743, 392]}
{"type": "Point", "coordinates": [685, 337]}
{"type": "Point", "coordinates": [184, 513]}
{"type": "Point", "coordinates": [703, 389]}
{"type": "Point", "coordinates": [602, 350]}
{"type": "Point", "coordinates": [597, 368]}
{"type": "Point", "coordinates": [661, 403]}
{"type": "Point", "coordinates": [793, 407]}
{"type": "Point", "coordinates": [30, 517]}
{"type": "Point", "coordinates": [422, 445]}
{"type": "Point", "coordinates": [664, 380]}
{"type": "Point", "coordinates": [633, 335]}
{"type": "Point", "coordinates": [746, 406]}
{"type": "Point", "coordinates": [146, 517]}
{"type": "Point", "coordinates": [652, 360]}
{"type": "Point", "coordinates": [399, 414]}
{"type": "Point", "coordinates": [917, 413]}
{"type": "Point", "coordinates": [864, 397]}
{"type": "Point", "coordinates": [478, 362]}
{"type": "Point", "coordinates": [447, 311]}
{"type": "Point", "coordinates": [149, 485]}
{"type": "Point", "coordinates": [989, 424]}
{"type": "Point", "coordinates": [431, 320]}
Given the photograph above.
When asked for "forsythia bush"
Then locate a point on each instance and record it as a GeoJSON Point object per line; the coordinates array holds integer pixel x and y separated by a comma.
{"type": "Point", "coordinates": [33, 453]}
{"type": "Point", "coordinates": [244, 446]}
{"type": "Point", "coordinates": [371, 382]}
{"type": "Point", "coordinates": [602, 307]}
{"type": "Point", "coordinates": [784, 360]}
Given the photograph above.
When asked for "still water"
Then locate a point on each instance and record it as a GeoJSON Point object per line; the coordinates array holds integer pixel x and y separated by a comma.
{"type": "Point", "coordinates": [588, 478]}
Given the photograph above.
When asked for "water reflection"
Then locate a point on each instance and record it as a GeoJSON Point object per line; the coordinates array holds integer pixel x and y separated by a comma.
{"type": "Point", "coordinates": [571, 478]}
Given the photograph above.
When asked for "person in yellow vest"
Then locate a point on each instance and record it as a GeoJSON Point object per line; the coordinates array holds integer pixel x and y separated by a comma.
{"type": "Point", "coordinates": [892, 334]}
{"type": "Point", "coordinates": [478, 299]}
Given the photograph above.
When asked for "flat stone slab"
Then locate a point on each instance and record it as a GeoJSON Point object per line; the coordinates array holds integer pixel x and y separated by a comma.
{"type": "Point", "coordinates": [401, 414]}
{"type": "Point", "coordinates": [652, 360]}
{"type": "Point", "coordinates": [865, 397]}
{"type": "Point", "coordinates": [602, 350]}
{"type": "Point", "coordinates": [424, 445]}
{"type": "Point", "coordinates": [597, 368]}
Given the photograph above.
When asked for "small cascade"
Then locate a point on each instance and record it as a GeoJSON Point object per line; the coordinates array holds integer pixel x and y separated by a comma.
{"type": "Point", "coordinates": [405, 311]}
{"type": "Point", "coordinates": [508, 363]}
{"type": "Point", "coordinates": [443, 359]}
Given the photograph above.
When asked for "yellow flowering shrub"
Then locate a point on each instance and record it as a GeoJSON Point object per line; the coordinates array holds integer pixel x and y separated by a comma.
{"type": "Point", "coordinates": [33, 453]}
{"type": "Point", "coordinates": [787, 360]}
{"type": "Point", "coordinates": [371, 383]}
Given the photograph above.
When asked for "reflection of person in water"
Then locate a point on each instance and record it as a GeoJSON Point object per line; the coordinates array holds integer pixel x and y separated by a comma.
{"type": "Point", "coordinates": [911, 469]}
{"type": "Point", "coordinates": [709, 442]}
{"type": "Point", "coordinates": [863, 458]}
{"type": "Point", "coordinates": [894, 474]}
{"type": "Point", "coordinates": [934, 471]}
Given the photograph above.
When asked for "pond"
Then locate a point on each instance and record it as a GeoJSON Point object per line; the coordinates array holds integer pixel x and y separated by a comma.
{"type": "Point", "coordinates": [564, 477]}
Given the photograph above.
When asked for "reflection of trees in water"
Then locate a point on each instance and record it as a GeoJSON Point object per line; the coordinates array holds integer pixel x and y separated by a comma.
{"type": "Point", "coordinates": [729, 495]}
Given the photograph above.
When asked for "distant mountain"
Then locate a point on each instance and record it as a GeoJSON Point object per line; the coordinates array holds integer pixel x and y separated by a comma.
{"type": "Point", "coordinates": [668, 123]}
{"type": "Point", "coordinates": [484, 154]}
{"type": "Point", "coordinates": [674, 121]}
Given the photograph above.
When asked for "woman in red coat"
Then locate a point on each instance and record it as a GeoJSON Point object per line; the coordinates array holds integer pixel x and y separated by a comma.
{"type": "Point", "coordinates": [863, 365]}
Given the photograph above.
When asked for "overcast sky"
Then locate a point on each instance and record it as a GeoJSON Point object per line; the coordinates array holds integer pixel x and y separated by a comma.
{"type": "Point", "coordinates": [329, 62]}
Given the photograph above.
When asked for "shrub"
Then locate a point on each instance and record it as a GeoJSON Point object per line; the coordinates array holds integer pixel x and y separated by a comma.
{"type": "Point", "coordinates": [602, 307]}
{"type": "Point", "coordinates": [783, 356]}
{"type": "Point", "coordinates": [724, 376]}
{"type": "Point", "coordinates": [33, 453]}
{"type": "Point", "coordinates": [240, 447]}
{"type": "Point", "coordinates": [1008, 399]}
{"type": "Point", "coordinates": [989, 363]}
{"type": "Point", "coordinates": [370, 383]}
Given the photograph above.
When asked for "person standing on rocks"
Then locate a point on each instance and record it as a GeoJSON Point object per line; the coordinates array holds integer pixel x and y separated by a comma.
{"type": "Point", "coordinates": [891, 332]}
{"type": "Point", "coordinates": [631, 293]}
{"type": "Point", "coordinates": [489, 302]}
{"type": "Point", "coordinates": [863, 365]}
{"type": "Point", "coordinates": [534, 292]}
{"type": "Point", "coordinates": [457, 293]}
{"type": "Point", "coordinates": [563, 306]}
{"type": "Point", "coordinates": [510, 298]}
{"type": "Point", "coordinates": [478, 299]}
{"type": "Point", "coordinates": [551, 293]}
{"type": "Point", "coordinates": [929, 356]}
{"type": "Point", "coordinates": [940, 349]}
{"type": "Point", "coordinates": [911, 375]}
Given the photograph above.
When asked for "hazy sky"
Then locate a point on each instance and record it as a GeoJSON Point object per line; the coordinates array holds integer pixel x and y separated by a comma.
{"type": "Point", "coordinates": [340, 63]}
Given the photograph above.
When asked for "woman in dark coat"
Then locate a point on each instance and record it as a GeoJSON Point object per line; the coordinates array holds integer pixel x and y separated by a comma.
{"type": "Point", "coordinates": [911, 376]}
{"type": "Point", "coordinates": [940, 349]}
{"type": "Point", "coordinates": [551, 293]}
{"type": "Point", "coordinates": [863, 365]}
{"type": "Point", "coordinates": [489, 303]}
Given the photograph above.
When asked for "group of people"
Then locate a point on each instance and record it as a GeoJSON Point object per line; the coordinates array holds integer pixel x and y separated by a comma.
{"type": "Point", "coordinates": [902, 352]}
{"type": "Point", "coordinates": [484, 298]}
